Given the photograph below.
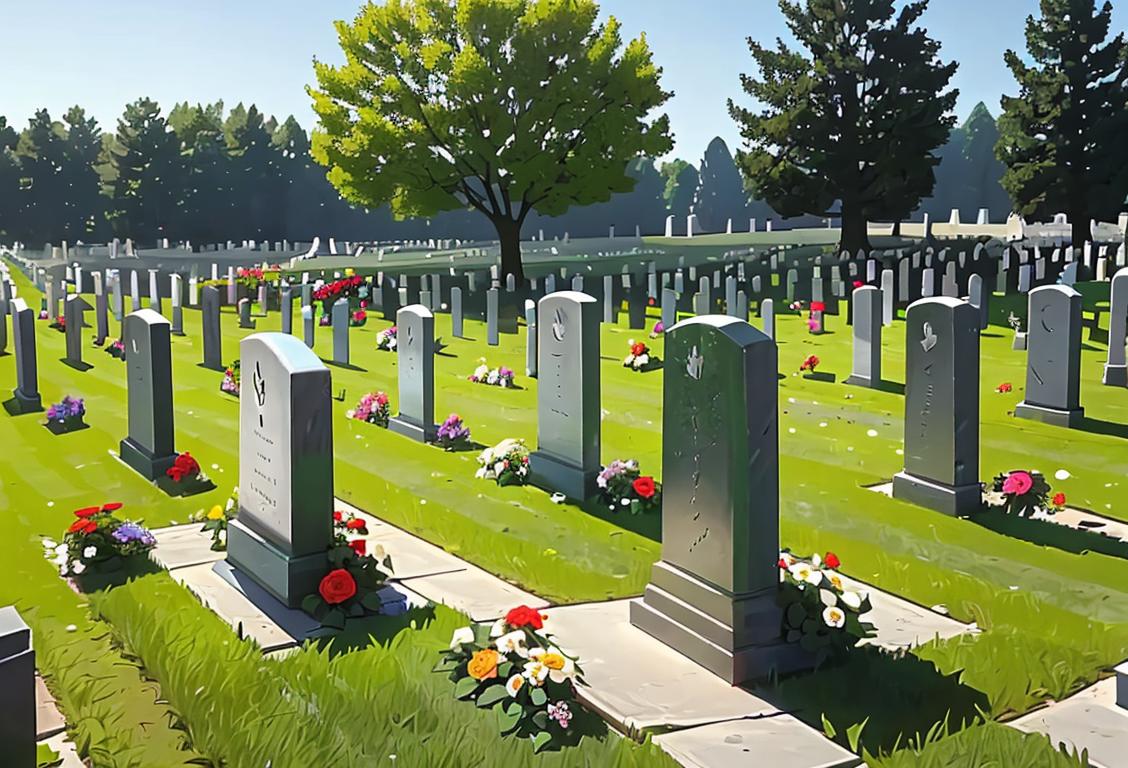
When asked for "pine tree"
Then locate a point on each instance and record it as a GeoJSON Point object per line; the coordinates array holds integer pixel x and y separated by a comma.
{"type": "Point", "coordinates": [207, 214]}
{"type": "Point", "coordinates": [682, 180]}
{"type": "Point", "coordinates": [855, 118]}
{"type": "Point", "coordinates": [255, 173]}
{"type": "Point", "coordinates": [84, 216]}
{"type": "Point", "coordinates": [43, 189]}
{"type": "Point", "coordinates": [10, 224]}
{"type": "Point", "coordinates": [720, 193]}
{"type": "Point", "coordinates": [1063, 137]}
{"type": "Point", "coordinates": [146, 175]}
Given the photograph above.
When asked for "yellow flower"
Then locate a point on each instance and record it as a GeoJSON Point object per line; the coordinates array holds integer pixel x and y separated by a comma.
{"type": "Point", "coordinates": [513, 685]}
{"type": "Point", "coordinates": [483, 665]}
{"type": "Point", "coordinates": [349, 272]}
{"type": "Point", "coordinates": [216, 513]}
{"type": "Point", "coordinates": [836, 580]}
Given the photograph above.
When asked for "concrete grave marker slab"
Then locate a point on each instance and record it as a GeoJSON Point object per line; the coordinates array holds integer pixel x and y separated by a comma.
{"type": "Point", "coordinates": [415, 358]}
{"type": "Point", "coordinates": [213, 337]}
{"type": "Point", "coordinates": [149, 447]}
{"type": "Point", "coordinates": [26, 397]}
{"type": "Point", "coordinates": [1053, 357]}
{"type": "Point", "coordinates": [1116, 368]}
{"type": "Point", "coordinates": [867, 303]}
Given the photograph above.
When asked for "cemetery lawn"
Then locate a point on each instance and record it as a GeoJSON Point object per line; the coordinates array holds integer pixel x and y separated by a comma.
{"type": "Point", "coordinates": [1055, 616]}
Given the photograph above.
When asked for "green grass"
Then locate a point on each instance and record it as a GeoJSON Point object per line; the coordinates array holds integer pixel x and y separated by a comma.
{"type": "Point", "coordinates": [1055, 616]}
{"type": "Point", "coordinates": [982, 746]}
{"type": "Point", "coordinates": [314, 708]}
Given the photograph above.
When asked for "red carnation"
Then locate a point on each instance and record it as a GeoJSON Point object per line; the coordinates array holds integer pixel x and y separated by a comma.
{"type": "Point", "coordinates": [337, 516]}
{"type": "Point", "coordinates": [337, 586]}
{"type": "Point", "coordinates": [524, 616]}
{"type": "Point", "coordinates": [112, 506]}
{"type": "Point", "coordinates": [831, 560]}
{"type": "Point", "coordinates": [644, 487]}
{"type": "Point", "coordinates": [359, 546]}
{"type": "Point", "coordinates": [638, 348]}
{"type": "Point", "coordinates": [1059, 499]}
{"type": "Point", "coordinates": [83, 526]}
{"type": "Point", "coordinates": [87, 512]}
{"type": "Point", "coordinates": [355, 524]}
{"type": "Point", "coordinates": [818, 306]}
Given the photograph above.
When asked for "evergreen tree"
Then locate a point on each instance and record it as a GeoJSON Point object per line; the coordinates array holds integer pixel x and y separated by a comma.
{"type": "Point", "coordinates": [720, 194]}
{"type": "Point", "coordinates": [208, 213]}
{"type": "Point", "coordinates": [146, 175]}
{"type": "Point", "coordinates": [84, 208]}
{"type": "Point", "coordinates": [257, 186]}
{"type": "Point", "coordinates": [9, 183]}
{"type": "Point", "coordinates": [1062, 138]}
{"type": "Point", "coordinates": [854, 119]}
{"type": "Point", "coordinates": [44, 195]}
{"type": "Point", "coordinates": [682, 180]}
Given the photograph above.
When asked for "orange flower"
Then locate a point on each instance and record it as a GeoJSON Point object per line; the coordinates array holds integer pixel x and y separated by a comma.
{"type": "Point", "coordinates": [483, 665]}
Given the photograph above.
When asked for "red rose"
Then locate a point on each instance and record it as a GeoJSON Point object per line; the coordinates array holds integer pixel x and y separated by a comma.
{"type": "Point", "coordinates": [337, 516]}
{"type": "Point", "coordinates": [858, 283]}
{"type": "Point", "coordinates": [337, 587]}
{"type": "Point", "coordinates": [818, 306]}
{"type": "Point", "coordinates": [832, 560]}
{"type": "Point", "coordinates": [83, 527]}
{"type": "Point", "coordinates": [112, 506]}
{"type": "Point", "coordinates": [359, 546]}
{"type": "Point", "coordinates": [87, 512]}
{"type": "Point", "coordinates": [782, 564]}
{"type": "Point", "coordinates": [524, 616]}
{"type": "Point", "coordinates": [355, 524]}
{"type": "Point", "coordinates": [638, 348]}
{"type": "Point", "coordinates": [644, 487]}
{"type": "Point", "coordinates": [1059, 499]}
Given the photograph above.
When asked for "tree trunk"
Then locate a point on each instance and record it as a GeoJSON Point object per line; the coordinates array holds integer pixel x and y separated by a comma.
{"type": "Point", "coordinates": [1079, 220]}
{"type": "Point", "coordinates": [854, 235]}
{"type": "Point", "coordinates": [509, 234]}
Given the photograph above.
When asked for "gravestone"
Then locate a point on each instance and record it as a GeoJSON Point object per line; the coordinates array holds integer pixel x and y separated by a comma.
{"type": "Point", "coordinates": [3, 324]}
{"type": "Point", "coordinates": [288, 310]}
{"type": "Point", "coordinates": [116, 300]}
{"type": "Point", "coordinates": [1053, 357]}
{"type": "Point", "coordinates": [245, 320]}
{"type": "Point", "coordinates": [415, 358]}
{"type": "Point", "coordinates": [637, 299]}
{"type": "Point", "coordinates": [213, 338]}
{"type": "Point", "coordinates": [284, 527]}
{"type": "Point", "coordinates": [767, 318]}
{"type": "Point", "coordinates": [17, 690]}
{"type": "Point", "coordinates": [941, 407]}
{"type": "Point", "coordinates": [669, 307]}
{"type": "Point", "coordinates": [1116, 368]}
{"type": "Point", "coordinates": [148, 360]}
{"type": "Point", "coordinates": [887, 297]}
{"type": "Point", "coordinates": [979, 298]}
{"type": "Point", "coordinates": [867, 303]}
{"type": "Point", "coordinates": [712, 596]}
{"type": "Point", "coordinates": [263, 302]}
{"type": "Point", "coordinates": [531, 339]}
{"type": "Point", "coordinates": [309, 326]}
{"type": "Point", "coordinates": [52, 299]}
{"type": "Point", "coordinates": [730, 296]}
{"type": "Point", "coordinates": [1024, 278]}
{"type": "Point", "coordinates": [26, 394]}
{"type": "Point", "coordinates": [232, 287]}
{"type": "Point", "coordinates": [741, 311]}
{"type": "Point", "coordinates": [949, 284]}
{"type": "Point", "coordinates": [456, 329]}
{"type": "Point", "coordinates": [610, 304]}
{"type": "Point", "coordinates": [492, 298]}
{"type": "Point", "coordinates": [568, 395]}
{"type": "Point", "coordinates": [134, 291]}
{"type": "Point", "coordinates": [74, 310]}
{"type": "Point", "coordinates": [155, 293]}
{"type": "Point", "coordinates": [341, 331]}
{"type": "Point", "coordinates": [175, 287]}
{"type": "Point", "coordinates": [928, 283]}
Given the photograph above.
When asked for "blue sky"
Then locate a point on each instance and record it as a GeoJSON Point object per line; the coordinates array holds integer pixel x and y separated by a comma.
{"type": "Point", "coordinates": [74, 51]}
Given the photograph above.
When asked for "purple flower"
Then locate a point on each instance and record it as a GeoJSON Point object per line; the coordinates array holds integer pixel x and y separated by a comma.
{"type": "Point", "coordinates": [453, 430]}
{"type": "Point", "coordinates": [560, 713]}
{"type": "Point", "coordinates": [129, 532]}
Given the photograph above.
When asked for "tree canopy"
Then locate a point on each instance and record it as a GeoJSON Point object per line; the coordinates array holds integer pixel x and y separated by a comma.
{"type": "Point", "coordinates": [503, 106]}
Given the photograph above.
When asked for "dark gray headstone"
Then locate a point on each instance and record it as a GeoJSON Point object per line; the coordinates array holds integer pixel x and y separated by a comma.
{"type": "Point", "coordinates": [155, 303]}
{"type": "Point", "coordinates": [568, 405]}
{"type": "Point", "coordinates": [928, 283]}
{"type": "Point", "coordinates": [309, 326]}
{"type": "Point", "coordinates": [176, 283]}
{"type": "Point", "coordinates": [979, 297]}
{"type": "Point", "coordinates": [669, 307]}
{"type": "Point", "coordinates": [1116, 369]}
{"type": "Point", "coordinates": [340, 322]}
{"type": "Point", "coordinates": [720, 503]}
{"type": "Point", "coordinates": [288, 310]}
{"type": "Point", "coordinates": [415, 358]}
{"type": "Point", "coordinates": [213, 337]}
{"type": "Point", "coordinates": [1053, 357]}
{"type": "Point", "coordinates": [1024, 278]}
{"type": "Point", "coordinates": [17, 690]}
{"type": "Point", "coordinates": [637, 300]}
{"type": "Point", "coordinates": [610, 302]}
{"type": "Point", "coordinates": [116, 300]}
{"type": "Point", "coordinates": [101, 308]}
{"type": "Point", "coordinates": [283, 531]}
{"type": "Point", "coordinates": [245, 320]}
{"type": "Point", "coordinates": [456, 329]}
{"type": "Point", "coordinates": [263, 301]}
{"type": "Point", "coordinates": [26, 393]}
{"type": "Point", "coordinates": [4, 325]}
{"type": "Point", "coordinates": [867, 303]}
{"type": "Point", "coordinates": [730, 297]}
{"type": "Point", "coordinates": [149, 448]}
{"type": "Point", "coordinates": [74, 310]}
{"type": "Point", "coordinates": [941, 407]}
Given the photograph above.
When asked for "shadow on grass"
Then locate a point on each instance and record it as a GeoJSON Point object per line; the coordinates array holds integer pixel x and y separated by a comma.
{"type": "Point", "coordinates": [16, 408]}
{"type": "Point", "coordinates": [79, 365]}
{"type": "Point", "coordinates": [345, 366]}
{"type": "Point", "coordinates": [377, 629]}
{"type": "Point", "coordinates": [892, 387]}
{"type": "Point", "coordinates": [648, 524]}
{"type": "Point", "coordinates": [115, 574]}
{"type": "Point", "coordinates": [1101, 427]}
{"type": "Point", "coordinates": [828, 378]}
{"type": "Point", "coordinates": [60, 428]}
{"type": "Point", "coordinates": [1050, 534]}
{"type": "Point", "coordinates": [896, 694]}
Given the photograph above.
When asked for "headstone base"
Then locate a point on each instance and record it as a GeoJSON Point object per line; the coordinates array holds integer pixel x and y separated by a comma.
{"type": "Point", "coordinates": [1053, 416]}
{"type": "Point", "coordinates": [955, 501]}
{"type": "Point", "coordinates": [145, 463]}
{"type": "Point", "coordinates": [1122, 685]}
{"type": "Point", "coordinates": [1019, 343]}
{"type": "Point", "coordinates": [177, 321]}
{"type": "Point", "coordinates": [287, 578]}
{"type": "Point", "coordinates": [249, 325]}
{"type": "Point", "coordinates": [860, 381]}
{"type": "Point", "coordinates": [1115, 376]}
{"type": "Point", "coordinates": [736, 637]}
{"type": "Point", "coordinates": [412, 430]}
{"type": "Point", "coordinates": [21, 403]}
{"type": "Point", "coordinates": [553, 475]}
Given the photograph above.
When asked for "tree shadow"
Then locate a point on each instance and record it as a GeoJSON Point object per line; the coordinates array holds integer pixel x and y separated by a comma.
{"type": "Point", "coordinates": [378, 629]}
{"type": "Point", "coordinates": [647, 525]}
{"type": "Point", "coordinates": [897, 695]}
{"type": "Point", "coordinates": [79, 365]}
{"type": "Point", "coordinates": [1047, 533]}
{"type": "Point", "coordinates": [1102, 427]}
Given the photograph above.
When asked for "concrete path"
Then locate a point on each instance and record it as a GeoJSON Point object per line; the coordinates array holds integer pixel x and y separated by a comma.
{"type": "Point", "coordinates": [1088, 720]}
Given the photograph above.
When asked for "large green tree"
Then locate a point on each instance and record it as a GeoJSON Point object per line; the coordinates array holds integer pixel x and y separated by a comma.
{"type": "Point", "coordinates": [682, 181]}
{"type": "Point", "coordinates": [44, 194]}
{"type": "Point", "coordinates": [720, 195]}
{"type": "Point", "coordinates": [85, 203]}
{"type": "Point", "coordinates": [9, 181]}
{"type": "Point", "coordinates": [146, 175]}
{"type": "Point", "coordinates": [503, 106]}
{"type": "Point", "coordinates": [1063, 138]}
{"type": "Point", "coordinates": [854, 117]}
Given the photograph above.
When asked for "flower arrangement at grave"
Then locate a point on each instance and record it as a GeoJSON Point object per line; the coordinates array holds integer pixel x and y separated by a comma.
{"type": "Point", "coordinates": [495, 377]}
{"type": "Point", "coordinates": [60, 324]}
{"type": "Point", "coordinates": [819, 612]}
{"type": "Point", "coordinates": [1005, 388]}
{"type": "Point", "coordinates": [813, 324]}
{"type": "Point", "coordinates": [623, 486]}
{"type": "Point", "coordinates": [350, 589]}
{"type": "Point", "coordinates": [374, 408]}
{"type": "Point", "coordinates": [43, 314]}
{"type": "Point", "coordinates": [67, 414]}
{"type": "Point", "coordinates": [810, 363]}
{"type": "Point", "coordinates": [638, 358]}
{"type": "Point", "coordinates": [659, 329]}
{"type": "Point", "coordinates": [453, 435]}
{"type": "Point", "coordinates": [507, 463]}
{"type": "Point", "coordinates": [358, 319]}
{"type": "Point", "coordinates": [215, 521]}
{"type": "Point", "coordinates": [231, 380]}
{"type": "Point", "coordinates": [516, 668]}
{"type": "Point", "coordinates": [116, 348]}
{"type": "Point", "coordinates": [185, 477]}
{"type": "Point", "coordinates": [795, 306]}
{"type": "Point", "coordinates": [386, 340]}
{"type": "Point", "coordinates": [1023, 493]}
{"type": "Point", "coordinates": [97, 541]}
{"type": "Point", "coordinates": [346, 288]}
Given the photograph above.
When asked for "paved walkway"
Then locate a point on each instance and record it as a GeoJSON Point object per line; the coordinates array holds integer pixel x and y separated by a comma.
{"type": "Point", "coordinates": [1088, 720]}
{"type": "Point", "coordinates": [636, 682]}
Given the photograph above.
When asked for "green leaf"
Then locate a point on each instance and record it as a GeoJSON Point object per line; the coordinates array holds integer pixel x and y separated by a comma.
{"type": "Point", "coordinates": [854, 734]}
{"type": "Point", "coordinates": [372, 602]}
{"type": "Point", "coordinates": [541, 740]}
{"type": "Point", "coordinates": [464, 687]}
{"type": "Point", "coordinates": [538, 697]}
{"type": "Point", "coordinates": [492, 695]}
{"type": "Point", "coordinates": [796, 615]}
{"type": "Point", "coordinates": [334, 619]}
{"type": "Point", "coordinates": [828, 728]}
{"type": "Point", "coordinates": [310, 603]}
{"type": "Point", "coordinates": [507, 721]}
